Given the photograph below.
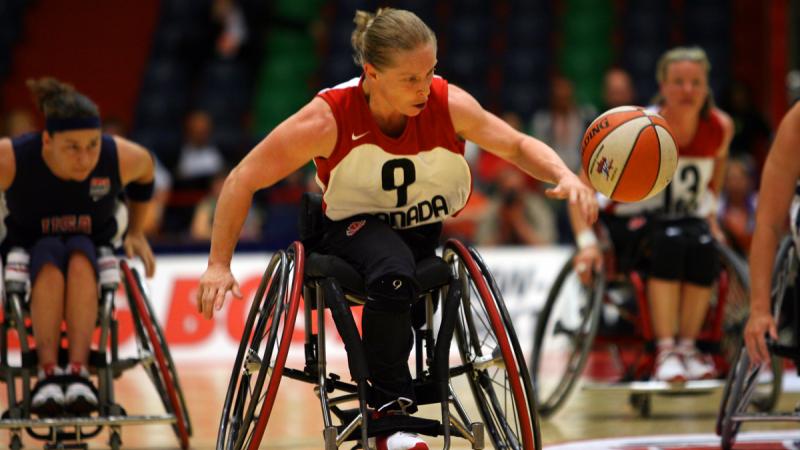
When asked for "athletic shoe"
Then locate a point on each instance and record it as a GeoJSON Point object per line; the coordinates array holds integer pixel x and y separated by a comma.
{"type": "Point", "coordinates": [669, 367]}
{"type": "Point", "coordinates": [48, 395]}
{"type": "Point", "coordinates": [400, 440]}
{"type": "Point", "coordinates": [80, 398]}
{"type": "Point", "coordinates": [697, 365]}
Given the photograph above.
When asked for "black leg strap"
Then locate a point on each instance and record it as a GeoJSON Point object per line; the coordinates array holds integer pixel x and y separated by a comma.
{"type": "Point", "coordinates": [441, 355]}
{"type": "Point", "coordinates": [346, 326]}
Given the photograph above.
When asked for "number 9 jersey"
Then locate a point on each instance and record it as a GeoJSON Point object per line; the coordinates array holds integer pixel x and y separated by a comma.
{"type": "Point", "coordinates": [418, 178]}
{"type": "Point", "coordinates": [688, 193]}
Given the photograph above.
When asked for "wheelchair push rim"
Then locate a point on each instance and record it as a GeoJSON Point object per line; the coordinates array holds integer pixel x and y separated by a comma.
{"type": "Point", "coordinates": [163, 374]}
{"type": "Point", "coordinates": [266, 339]}
{"type": "Point", "coordinates": [580, 334]}
{"type": "Point", "coordinates": [483, 311]}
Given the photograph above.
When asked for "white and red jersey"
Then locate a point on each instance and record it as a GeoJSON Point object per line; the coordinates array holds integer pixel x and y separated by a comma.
{"type": "Point", "coordinates": [417, 178]}
{"type": "Point", "coordinates": [688, 193]}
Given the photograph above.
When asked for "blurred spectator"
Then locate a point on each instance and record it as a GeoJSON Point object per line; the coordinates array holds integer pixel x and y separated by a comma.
{"type": "Point", "coordinates": [154, 216]}
{"type": "Point", "coordinates": [563, 124]}
{"type": "Point", "coordinates": [114, 126]}
{"type": "Point", "coordinates": [737, 212]}
{"type": "Point", "coordinates": [18, 122]}
{"type": "Point", "coordinates": [234, 28]}
{"type": "Point", "coordinates": [618, 89]}
{"type": "Point", "coordinates": [204, 214]}
{"type": "Point", "coordinates": [515, 214]}
{"type": "Point", "coordinates": [464, 226]}
{"type": "Point", "coordinates": [751, 131]}
{"type": "Point", "coordinates": [200, 160]}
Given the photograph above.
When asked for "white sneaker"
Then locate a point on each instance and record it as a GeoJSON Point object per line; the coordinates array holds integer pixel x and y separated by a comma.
{"type": "Point", "coordinates": [80, 398]}
{"type": "Point", "coordinates": [697, 365]}
{"type": "Point", "coordinates": [48, 395]}
{"type": "Point", "coordinates": [400, 440]}
{"type": "Point", "coordinates": [669, 367]}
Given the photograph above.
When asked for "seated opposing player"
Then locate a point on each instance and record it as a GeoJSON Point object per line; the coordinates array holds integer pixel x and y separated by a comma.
{"type": "Point", "coordinates": [779, 183]}
{"type": "Point", "coordinates": [62, 188]}
{"type": "Point", "coordinates": [683, 263]}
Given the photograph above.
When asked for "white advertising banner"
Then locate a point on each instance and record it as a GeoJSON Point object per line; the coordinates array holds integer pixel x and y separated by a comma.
{"type": "Point", "coordinates": [524, 276]}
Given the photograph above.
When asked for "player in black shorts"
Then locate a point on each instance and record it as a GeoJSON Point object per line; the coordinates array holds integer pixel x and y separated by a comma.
{"type": "Point", "coordinates": [62, 191]}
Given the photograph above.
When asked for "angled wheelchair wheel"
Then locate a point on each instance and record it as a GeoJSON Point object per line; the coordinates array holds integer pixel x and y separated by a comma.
{"type": "Point", "coordinates": [150, 339]}
{"type": "Point", "coordinates": [735, 271]}
{"type": "Point", "coordinates": [489, 349]}
{"type": "Point", "coordinates": [265, 342]}
{"type": "Point", "coordinates": [738, 389]}
{"type": "Point", "coordinates": [564, 334]}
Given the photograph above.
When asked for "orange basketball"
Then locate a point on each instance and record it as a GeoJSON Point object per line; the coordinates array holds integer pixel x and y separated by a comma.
{"type": "Point", "coordinates": [629, 153]}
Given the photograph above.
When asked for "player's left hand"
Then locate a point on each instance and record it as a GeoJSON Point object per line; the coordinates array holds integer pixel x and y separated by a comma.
{"type": "Point", "coordinates": [136, 244]}
{"type": "Point", "coordinates": [571, 188]}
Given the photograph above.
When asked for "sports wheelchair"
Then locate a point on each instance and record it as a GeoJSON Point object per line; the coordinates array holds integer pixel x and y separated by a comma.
{"type": "Point", "coordinates": [105, 362]}
{"type": "Point", "coordinates": [490, 357]}
{"type": "Point", "coordinates": [744, 388]}
{"type": "Point", "coordinates": [568, 330]}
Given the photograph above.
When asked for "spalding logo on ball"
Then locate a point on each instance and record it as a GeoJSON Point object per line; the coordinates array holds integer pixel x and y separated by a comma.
{"type": "Point", "coordinates": [629, 154]}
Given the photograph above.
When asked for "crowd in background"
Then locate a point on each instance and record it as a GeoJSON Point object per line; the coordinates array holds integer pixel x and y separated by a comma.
{"type": "Point", "coordinates": [506, 207]}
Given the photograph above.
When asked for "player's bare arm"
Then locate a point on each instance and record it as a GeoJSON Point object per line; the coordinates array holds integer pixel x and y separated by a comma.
{"type": "Point", "coordinates": [778, 180]}
{"type": "Point", "coordinates": [536, 158]}
{"type": "Point", "coordinates": [309, 133]}
{"type": "Point", "coordinates": [136, 165]}
{"type": "Point", "coordinates": [8, 165]}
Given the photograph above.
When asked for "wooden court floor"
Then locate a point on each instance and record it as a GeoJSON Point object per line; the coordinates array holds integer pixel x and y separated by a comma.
{"type": "Point", "coordinates": [296, 422]}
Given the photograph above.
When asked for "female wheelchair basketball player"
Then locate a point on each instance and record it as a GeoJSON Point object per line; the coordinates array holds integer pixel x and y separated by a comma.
{"type": "Point", "coordinates": [683, 264]}
{"type": "Point", "coordinates": [388, 147]}
{"type": "Point", "coordinates": [61, 189]}
{"type": "Point", "coordinates": [773, 279]}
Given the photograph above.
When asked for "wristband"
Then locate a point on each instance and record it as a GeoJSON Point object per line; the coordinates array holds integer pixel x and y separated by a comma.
{"type": "Point", "coordinates": [586, 238]}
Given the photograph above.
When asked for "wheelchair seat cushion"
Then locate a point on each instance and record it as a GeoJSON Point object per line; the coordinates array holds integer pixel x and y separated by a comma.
{"type": "Point", "coordinates": [431, 272]}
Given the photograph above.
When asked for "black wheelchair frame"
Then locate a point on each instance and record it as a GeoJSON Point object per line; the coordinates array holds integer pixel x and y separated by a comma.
{"type": "Point", "coordinates": [743, 389]}
{"type": "Point", "coordinates": [472, 309]}
{"type": "Point", "coordinates": [104, 361]}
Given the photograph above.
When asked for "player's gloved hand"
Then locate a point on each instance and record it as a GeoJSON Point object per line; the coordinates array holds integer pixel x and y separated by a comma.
{"type": "Point", "coordinates": [215, 283]}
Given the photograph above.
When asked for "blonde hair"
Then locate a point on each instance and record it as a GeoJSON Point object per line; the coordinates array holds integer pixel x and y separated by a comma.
{"type": "Point", "coordinates": [388, 30]}
{"type": "Point", "coordinates": [59, 100]}
{"type": "Point", "coordinates": [677, 54]}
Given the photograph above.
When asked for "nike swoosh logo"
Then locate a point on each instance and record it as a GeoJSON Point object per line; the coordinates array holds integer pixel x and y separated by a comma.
{"type": "Point", "coordinates": [355, 138]}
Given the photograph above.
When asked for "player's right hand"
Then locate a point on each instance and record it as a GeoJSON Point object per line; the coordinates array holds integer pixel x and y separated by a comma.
{"type": "Point", "coordinates": [214, 286]}
{"type": "Point", "coordinates": [757, 327]}
{"type": "Point", "coordinates": [587, 262]}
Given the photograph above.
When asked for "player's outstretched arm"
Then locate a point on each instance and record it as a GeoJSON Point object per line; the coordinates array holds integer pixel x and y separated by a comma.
{"type": "Point", "coordinates": [309, 133]}
{"type": "Point", "coordinates": [778, 181]}
{"type": "Point", "coordinates": [533, 156]}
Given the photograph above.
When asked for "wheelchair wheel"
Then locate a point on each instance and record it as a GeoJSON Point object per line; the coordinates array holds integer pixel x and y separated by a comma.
{"type": "Point", "coordinates": [150, 339]}
{"type": "Point", "coordinates": [739, 387]}
{"type": "Point", "coordinates": [565, 331]}
{"type": "Point", "coordinates": [488, 346]}
{"type": "Point", "coordinates": [262, 352]}
{"type": "Point", "coordinates": [765, 395]}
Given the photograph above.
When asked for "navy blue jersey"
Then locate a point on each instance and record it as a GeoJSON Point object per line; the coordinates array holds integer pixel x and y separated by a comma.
{"type": "Point", "coordinates": [41, 204]}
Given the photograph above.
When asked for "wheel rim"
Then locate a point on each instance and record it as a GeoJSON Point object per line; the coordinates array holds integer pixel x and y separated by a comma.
{"type": "Point", "coordinates": [496, 378]}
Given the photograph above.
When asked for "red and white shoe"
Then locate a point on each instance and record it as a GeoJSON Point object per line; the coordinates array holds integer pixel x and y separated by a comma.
{"type": "Point", "coordinates": [400, 440]}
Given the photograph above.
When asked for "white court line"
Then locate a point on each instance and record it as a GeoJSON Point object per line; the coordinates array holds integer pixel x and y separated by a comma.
{"type": "Point", "coordinates": [659, 441]}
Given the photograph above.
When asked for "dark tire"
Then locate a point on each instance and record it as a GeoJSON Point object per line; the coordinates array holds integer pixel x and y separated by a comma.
{"type": "Point", "coordinates": [151, 339]}
{"type": "Point", "coordinates": [263, 349]}
{"type": "Point", "coordinates": [564, 334]}
{"type": "Point", "coordinates": [494, 362]}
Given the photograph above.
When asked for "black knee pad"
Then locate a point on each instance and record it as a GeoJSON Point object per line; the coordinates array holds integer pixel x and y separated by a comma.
{"type": "Point", "coordinates": [392, 293]}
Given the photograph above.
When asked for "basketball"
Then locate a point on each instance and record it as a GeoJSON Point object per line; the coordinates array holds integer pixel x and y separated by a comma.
{"type": "Point", "coordinates": [629, 153]}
